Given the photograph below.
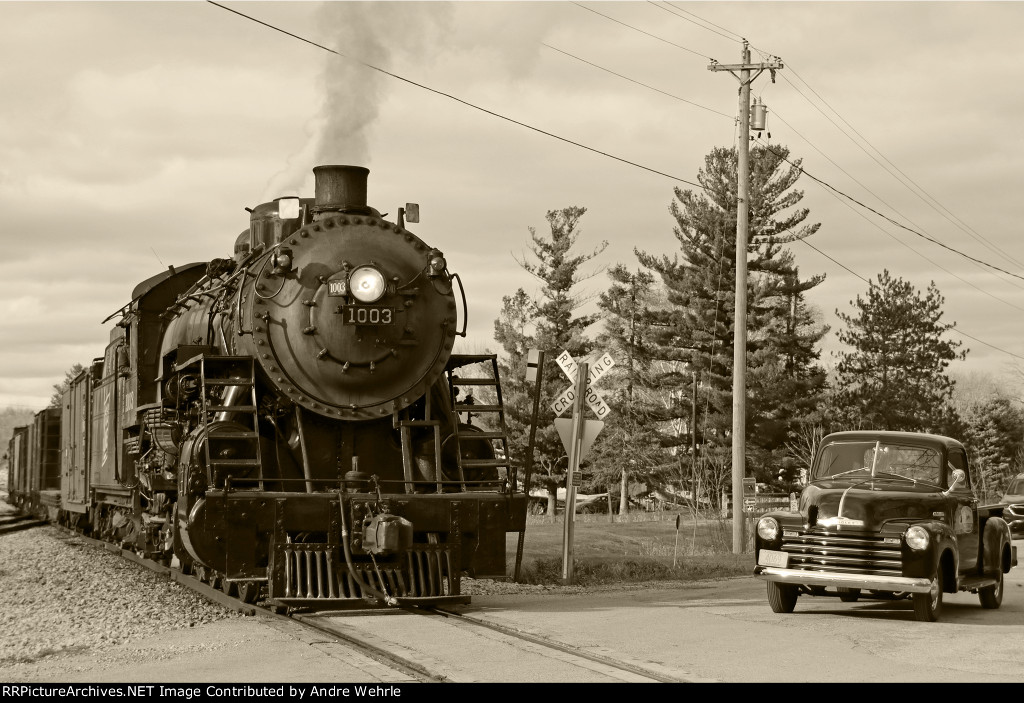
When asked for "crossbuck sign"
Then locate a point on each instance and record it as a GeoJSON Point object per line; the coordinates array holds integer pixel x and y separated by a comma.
{"type": "Point", "coordinates": [598, 368]}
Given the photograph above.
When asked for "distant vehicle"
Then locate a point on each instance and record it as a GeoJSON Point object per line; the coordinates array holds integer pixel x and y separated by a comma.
{"type": "Point", "coordinates": [1013, 505]}
{"type": "Point", "coordinates": [891, 514]}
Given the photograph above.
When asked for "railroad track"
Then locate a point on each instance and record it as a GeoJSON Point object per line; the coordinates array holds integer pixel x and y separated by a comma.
{"type": "Point", "coordinates": [405, 641]}
{"type": "Point", "coordinates": [17, 523]}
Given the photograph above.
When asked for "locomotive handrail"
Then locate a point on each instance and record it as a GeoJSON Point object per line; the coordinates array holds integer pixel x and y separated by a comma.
{"type": "Point", "coordinates": [465, 307]}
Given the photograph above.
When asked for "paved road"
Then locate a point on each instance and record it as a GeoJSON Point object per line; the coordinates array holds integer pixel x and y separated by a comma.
{"type": "Point", "coordinates": [725, 631]}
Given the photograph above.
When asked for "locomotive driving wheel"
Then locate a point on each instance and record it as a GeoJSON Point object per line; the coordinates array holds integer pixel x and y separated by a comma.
{"type": "Point", "coordinates": [249, 591]}
{"type": "Point", "coordinates": [230, 588]}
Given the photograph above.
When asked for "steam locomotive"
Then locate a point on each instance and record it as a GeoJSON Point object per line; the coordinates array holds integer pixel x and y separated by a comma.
{"type": "Point", "coordinates": [288, 422]}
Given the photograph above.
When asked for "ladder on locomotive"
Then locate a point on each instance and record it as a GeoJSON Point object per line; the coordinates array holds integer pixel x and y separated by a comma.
{"type": "Point", "coordinates": [497, 434]}
{"type": "Point", "coordinates": [241, 447]}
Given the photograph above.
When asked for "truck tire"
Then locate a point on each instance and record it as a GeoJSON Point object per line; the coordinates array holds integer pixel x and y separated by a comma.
{"type": "Point", "coordinates": [928, 606]}
{"type": "Point", "coordinates": [782, 597]}
{"type": "Point", "coordinates": [992, 596]}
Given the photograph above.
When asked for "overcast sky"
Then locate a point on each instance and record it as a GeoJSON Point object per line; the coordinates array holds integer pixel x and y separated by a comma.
{"type": "Point", "coordinates": [133, 135]}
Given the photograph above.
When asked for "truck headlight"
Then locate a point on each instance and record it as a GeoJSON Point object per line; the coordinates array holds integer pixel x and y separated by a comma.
{"type": "Point", "coordinates": [917, 538]}
{"type": "Point", "coordinates": [768, 529]}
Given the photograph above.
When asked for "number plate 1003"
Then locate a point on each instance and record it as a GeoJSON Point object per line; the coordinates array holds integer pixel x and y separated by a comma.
{"type": "Point", "coordinates": [367, 315]}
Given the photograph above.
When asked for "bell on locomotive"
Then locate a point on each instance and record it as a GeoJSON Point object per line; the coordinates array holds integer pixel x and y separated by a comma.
{"type": "Point", "coordinates": [330, 446]}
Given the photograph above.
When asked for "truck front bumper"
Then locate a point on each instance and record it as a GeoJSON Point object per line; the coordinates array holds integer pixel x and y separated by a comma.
{"type": "Point", "coordinates": [829, 578]}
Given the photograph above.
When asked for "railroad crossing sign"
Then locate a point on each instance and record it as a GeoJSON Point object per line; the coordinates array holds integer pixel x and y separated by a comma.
{"type": "Point", "coordinates": [598, 368]}
{"type": "Point", "coordinates": [591, 428]}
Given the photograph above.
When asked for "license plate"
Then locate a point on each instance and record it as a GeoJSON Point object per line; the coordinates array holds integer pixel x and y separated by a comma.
{"type": "Point", "coordinates": [768, 557]}
{"type": "Point", "coordinates": [367, 315]}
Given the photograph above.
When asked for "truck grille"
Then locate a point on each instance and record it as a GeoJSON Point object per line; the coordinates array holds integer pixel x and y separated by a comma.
{"type": "Point", "coordinates": [859, 554]}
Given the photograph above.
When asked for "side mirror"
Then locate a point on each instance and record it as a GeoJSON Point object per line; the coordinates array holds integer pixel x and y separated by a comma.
{"type": "Point", "coordinates": [958, 477]}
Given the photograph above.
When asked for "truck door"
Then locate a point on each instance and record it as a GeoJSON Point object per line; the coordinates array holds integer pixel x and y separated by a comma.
{"type": "Point", "coordinates": [964, 517]}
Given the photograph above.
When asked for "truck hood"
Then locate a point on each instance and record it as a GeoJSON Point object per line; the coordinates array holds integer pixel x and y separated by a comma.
{"type": "Point", "coordinates": [869, 505]}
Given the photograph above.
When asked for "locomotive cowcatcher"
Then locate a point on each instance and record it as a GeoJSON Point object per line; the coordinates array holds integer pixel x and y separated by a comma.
{"type": "Point", "coordinates": [289, 419]}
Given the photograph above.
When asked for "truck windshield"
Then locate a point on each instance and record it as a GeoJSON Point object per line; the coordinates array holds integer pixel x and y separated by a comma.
{"type": "Point", "coordinates": [867, 459]}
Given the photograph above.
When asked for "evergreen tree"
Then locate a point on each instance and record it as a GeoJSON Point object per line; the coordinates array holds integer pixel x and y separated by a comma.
{"type": "Point", "coordinates": [784, 381]}
{"type": "Point", "coordinates": [994, 435]}
{"type": "Point", "coordinates": [59, 389]}
{"type": "Point", "coordinates": [547, 321]}
{"type": "Point", "coordinates": [894, 377]}
{"type": "Point", "coordinates": [629, 447]}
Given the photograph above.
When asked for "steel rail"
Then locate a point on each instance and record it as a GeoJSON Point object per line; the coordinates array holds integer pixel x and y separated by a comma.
{"type": "Point", "coordinates": [468, 620]}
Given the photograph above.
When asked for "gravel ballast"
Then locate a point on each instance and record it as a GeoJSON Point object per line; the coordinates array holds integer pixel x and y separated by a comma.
{"type": "Point", "coordinates": [59, 595]}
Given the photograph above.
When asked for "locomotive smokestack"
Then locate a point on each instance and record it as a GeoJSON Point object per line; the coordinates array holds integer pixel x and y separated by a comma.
{"type": "Point", "coordinates": [341, 189]}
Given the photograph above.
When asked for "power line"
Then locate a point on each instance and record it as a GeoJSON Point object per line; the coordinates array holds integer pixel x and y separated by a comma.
{"type": "Point", "coordinates": [917, 190]}
{"type": "Point", "coordinates": [637, 29]}
{"type": "Point", "coordinates": [632, 80]}
{"type": "Point", "coordinates": [929, 238]}
{"type": "Point", "coordinates": [857, 181]}
{"type": "Point", "coordinates": [926, 258]}
{"type": "Point", "coordinates": [929, 260]}
{"type": "Point", "coordinates": [951, 329]}
{"type": "Point", "coordinates": [456, 99]}
{"type": "Point", "coordinates": [694, 21]}
{"type": "Point", "coordinates": [908, 229]}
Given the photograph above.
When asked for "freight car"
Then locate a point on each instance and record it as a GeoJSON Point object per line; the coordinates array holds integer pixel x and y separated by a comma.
{"type": "Point", "coordinates": [33, 457]}
{"type": "Point", "coordinates": [289, 421]}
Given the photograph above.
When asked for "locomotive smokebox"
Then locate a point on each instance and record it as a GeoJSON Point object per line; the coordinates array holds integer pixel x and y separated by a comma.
{"type": "Point", "coordinates": [341, 189]}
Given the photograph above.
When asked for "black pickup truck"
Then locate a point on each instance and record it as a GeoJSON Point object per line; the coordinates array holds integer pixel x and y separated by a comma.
{"type": "Point", "coordinates": [886, 515]}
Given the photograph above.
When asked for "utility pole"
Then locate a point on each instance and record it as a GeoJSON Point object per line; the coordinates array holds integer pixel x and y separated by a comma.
{"type": "Point", "coordinates": [742, 71]}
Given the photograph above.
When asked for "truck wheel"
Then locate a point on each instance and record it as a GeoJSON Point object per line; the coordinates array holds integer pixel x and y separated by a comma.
{"type": "Point", "coordinates": [928, 606]}
{"type": "Point", "coordinates": [782, 597]}
{"type": "Point", "coordinates": [849, 595]}
{"type": "Point", "coordinates": [992, 596]}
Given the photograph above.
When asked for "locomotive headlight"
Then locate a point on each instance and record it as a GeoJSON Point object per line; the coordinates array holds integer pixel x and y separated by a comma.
{"type": "Point", "coordinates": [367, 284]}
{"type": "Point", "coordinates": [917, 538]}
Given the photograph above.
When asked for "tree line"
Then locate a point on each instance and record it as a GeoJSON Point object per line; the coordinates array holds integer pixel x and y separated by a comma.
{"type": "Point", "coordinates": [668, 321]}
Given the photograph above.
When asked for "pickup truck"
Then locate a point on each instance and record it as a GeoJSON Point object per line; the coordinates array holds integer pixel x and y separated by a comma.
{"type": "Point", "coordinates": [886, 515]}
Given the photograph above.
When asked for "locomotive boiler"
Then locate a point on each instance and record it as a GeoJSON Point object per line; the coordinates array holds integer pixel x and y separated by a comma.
{"type": "Point", "coordinates": [292, 420]}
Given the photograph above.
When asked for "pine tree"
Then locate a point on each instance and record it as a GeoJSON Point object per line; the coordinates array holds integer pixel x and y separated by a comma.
{"type": "Point", "coordinates": [629, 448]}
{"type": "Point", "coordinates": [784, 381]}
{"type": "Point", "coordinates": [59, 389]}
{"type": "Point", "coordinates": [894, 377]}
{"type": "Point", "coordinates": [547, 321]}
{"type": "Point", "coordinates": [994, 436]}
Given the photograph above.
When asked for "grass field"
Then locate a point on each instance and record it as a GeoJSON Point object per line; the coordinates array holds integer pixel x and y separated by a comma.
{"type": "Point", "coordinates": [645, 548]}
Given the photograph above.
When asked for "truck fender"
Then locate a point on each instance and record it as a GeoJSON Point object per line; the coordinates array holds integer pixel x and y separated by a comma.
{"type": "Point", "coordinates": [996, 537]}
{"type": "Point", "coordinates": [942, 540]}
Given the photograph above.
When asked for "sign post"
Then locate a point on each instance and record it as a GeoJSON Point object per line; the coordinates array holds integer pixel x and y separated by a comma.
{"type": "Point", "coordinates": [578, 433]}
{"type": "Point", "coordinates": [575, 446]}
